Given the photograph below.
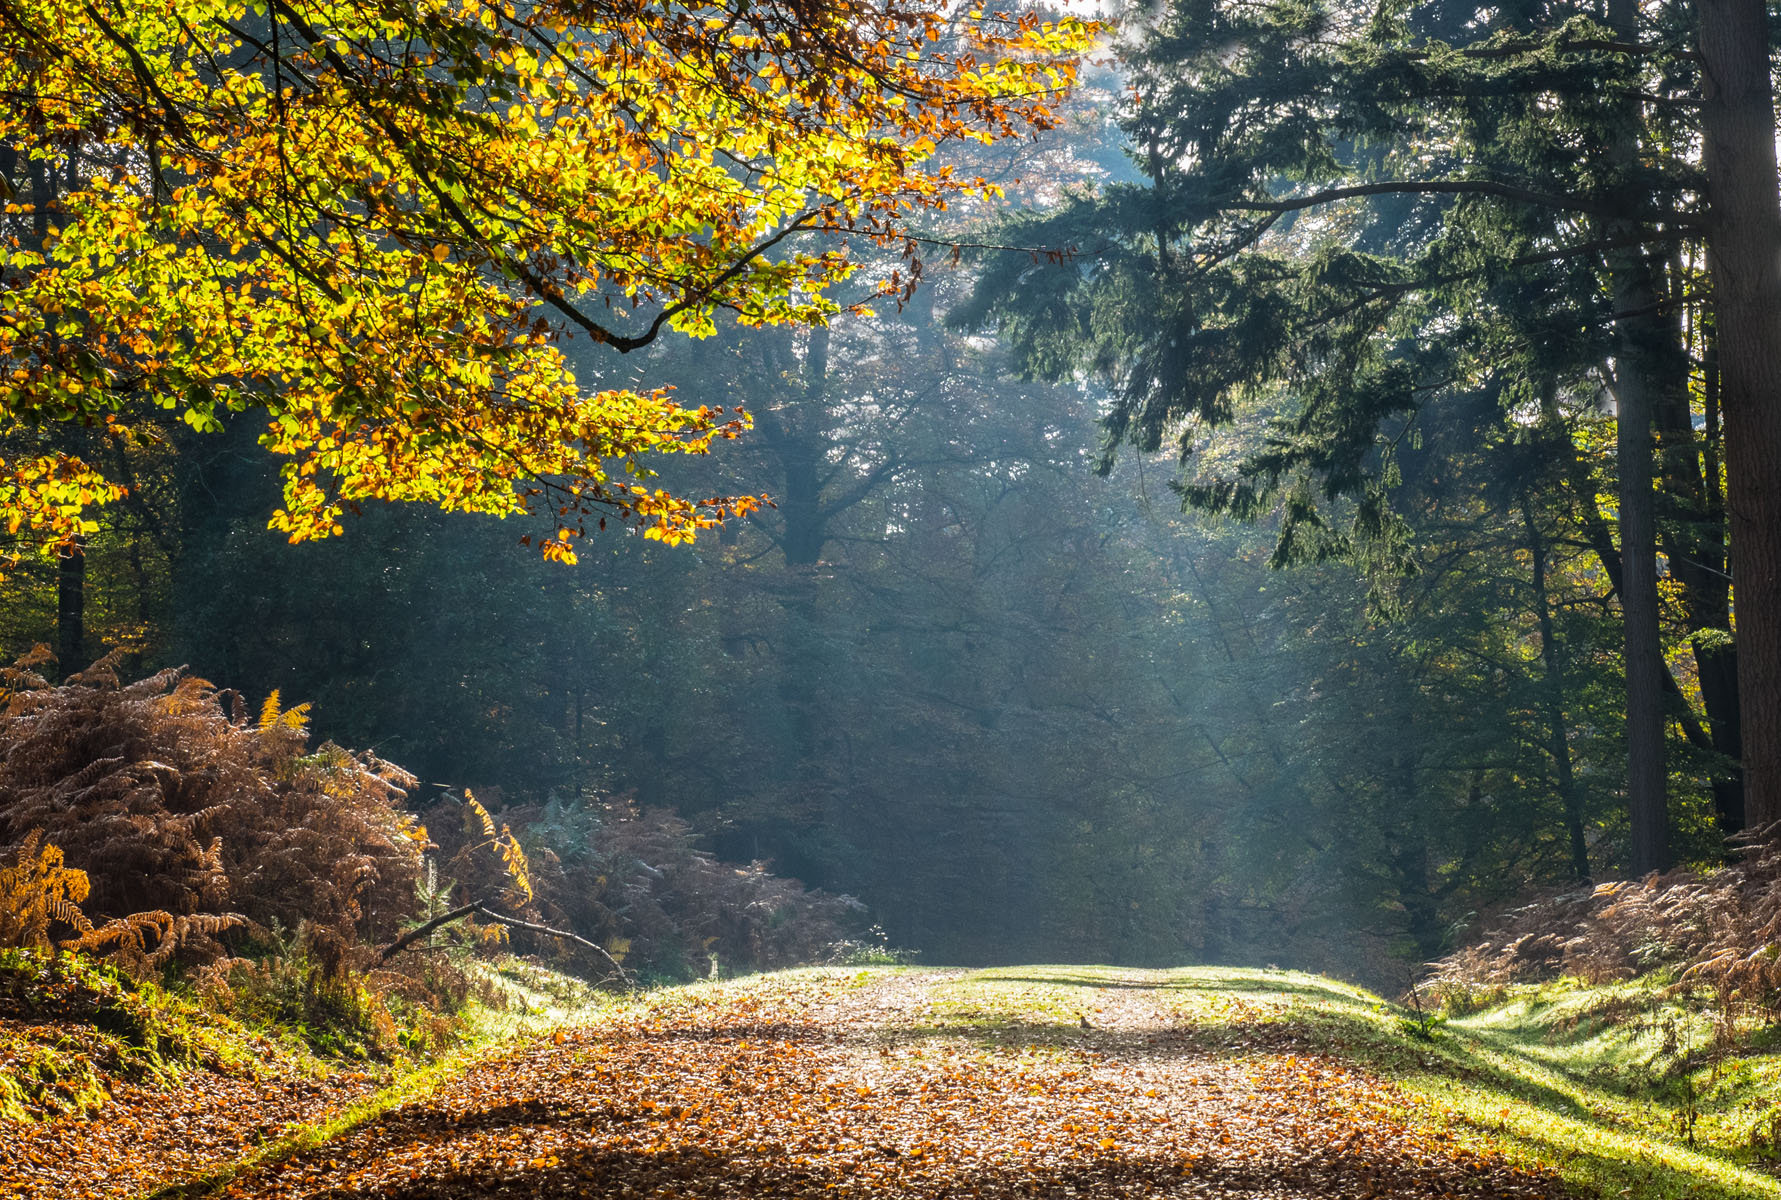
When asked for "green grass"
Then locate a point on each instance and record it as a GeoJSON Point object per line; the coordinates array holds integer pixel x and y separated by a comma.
{"type": "Point", "coordinates": [1600, 1084]}
{"type": "Point", "coordinates": [1630, 1089]}
{"type": "Point", "coordinates": [78, 1027]}
{"type": "Point", "coordinates": [84, 1024]}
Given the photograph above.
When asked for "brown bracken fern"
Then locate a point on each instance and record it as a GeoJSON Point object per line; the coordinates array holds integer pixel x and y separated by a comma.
{"type": "Point", "coordinates": [188, 818]}
{"type": "Point", "coordinates": [1720, 928]}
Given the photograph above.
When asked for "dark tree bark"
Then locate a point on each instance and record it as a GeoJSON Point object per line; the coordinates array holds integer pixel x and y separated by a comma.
{"type": "Point", "coordinates": [1744, 256]}
{"type": "Point", "coordinates": [1553, 697]}
{"type": "Point", "coordinates": [1715, 654]}
{"type": "Point", "coordinates": [1645, 772]}
{"type": "Point", "coordinates": [1645, 368]}
{"type": "Point", "coordinates": [71, 608]}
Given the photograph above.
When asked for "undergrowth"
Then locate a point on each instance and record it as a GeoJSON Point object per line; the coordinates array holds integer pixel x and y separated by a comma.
{"type": "Point", "coordinates": [73, 1028]}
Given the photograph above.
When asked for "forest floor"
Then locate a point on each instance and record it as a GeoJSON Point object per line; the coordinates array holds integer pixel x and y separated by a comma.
{"type": "Point", "coordinates": [1040, 1081]}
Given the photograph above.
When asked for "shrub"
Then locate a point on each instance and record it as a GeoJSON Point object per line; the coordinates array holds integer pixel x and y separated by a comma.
{"type": "Point", "coordinates": [635, 881]}
{"type": "Point", "coordinates": [1718, 928]}
{"type": "Point", "coordinates": [37, 891]}
{"type": "Point", "coordinates": [186, 816]}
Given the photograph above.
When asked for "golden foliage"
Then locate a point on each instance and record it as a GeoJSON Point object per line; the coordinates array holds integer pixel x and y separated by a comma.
{"type": "Point", "coordinates": [475, 815]}
{"type": "Point", "coordinates": [506, 845]}
{"type": "Point", "coordinates": [273, 717]}
{"type": "Point", "coordinates": [147, 940]}
{"type": "Point", "coordinates": [373, 224]}
{"type": "Point", "coordinates": [38, 891]}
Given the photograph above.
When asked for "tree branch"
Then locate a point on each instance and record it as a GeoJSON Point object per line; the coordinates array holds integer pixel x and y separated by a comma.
{"type": "Point", "coordinates": [1454, 187]}
{"type": "Point", "coordinates": [478, 908]}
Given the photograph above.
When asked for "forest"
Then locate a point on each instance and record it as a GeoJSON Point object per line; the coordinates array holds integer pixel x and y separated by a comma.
{"type": "Point", "coordinates": [585, 581]}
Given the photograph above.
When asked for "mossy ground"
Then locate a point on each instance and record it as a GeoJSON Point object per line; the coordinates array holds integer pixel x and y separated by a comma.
{"type": "Point", "coordinates": [72, 1029]}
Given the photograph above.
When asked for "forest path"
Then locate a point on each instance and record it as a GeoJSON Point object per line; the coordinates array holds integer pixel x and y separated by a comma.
{"type": "Point", "coordinates": [874, 1083]}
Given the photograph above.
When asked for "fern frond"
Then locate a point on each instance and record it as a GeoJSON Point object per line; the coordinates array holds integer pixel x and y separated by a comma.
{"type": "Point", "coordinates": [38, 890]}
{"type": "Point", "coordinates": [68, 912]}
{"type": "Point", "coordinates": [513, 856]}
{"type": "Point", "coordinates": [134, 781]}
{"type": "Point", "coordinates": [478, 812]}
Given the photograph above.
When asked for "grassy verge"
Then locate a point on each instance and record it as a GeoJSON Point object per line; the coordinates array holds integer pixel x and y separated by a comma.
{"type": "Point", "coordinates": [1631, 1089]}
{"type": "Point", "coordinates": [75, 1028]}
{"type": "Point", "coordinates": [531, 1001]}
{"type": "Point", "coordinates": [1623, 1090]}
{"type": "Point", "coordinates": [74, 1031]}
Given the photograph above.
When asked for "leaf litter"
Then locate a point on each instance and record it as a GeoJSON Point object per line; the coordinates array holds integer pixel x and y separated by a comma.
{"type": "Point", "coordinates": [876, 1085]}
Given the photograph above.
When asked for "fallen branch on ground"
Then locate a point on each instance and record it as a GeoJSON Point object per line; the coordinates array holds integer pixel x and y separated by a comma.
{"type": "Point", "coordinates": [480, 909]}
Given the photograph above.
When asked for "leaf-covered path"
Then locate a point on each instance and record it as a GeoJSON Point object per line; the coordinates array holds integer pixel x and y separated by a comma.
{"type": "Point", "coordinates": [926, 1084]}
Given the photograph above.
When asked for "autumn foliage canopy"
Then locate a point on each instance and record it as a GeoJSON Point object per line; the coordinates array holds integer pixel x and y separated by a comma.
{"type": "Point", "coordinates": [373, 221]}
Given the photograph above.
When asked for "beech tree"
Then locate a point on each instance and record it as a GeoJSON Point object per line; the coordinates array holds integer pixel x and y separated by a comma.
{"type": "Point", "coordinates": [374, 222]}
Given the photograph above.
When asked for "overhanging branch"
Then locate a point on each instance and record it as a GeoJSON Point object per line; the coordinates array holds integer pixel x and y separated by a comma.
{"type": "Point", "coordinates": [1457, 187]}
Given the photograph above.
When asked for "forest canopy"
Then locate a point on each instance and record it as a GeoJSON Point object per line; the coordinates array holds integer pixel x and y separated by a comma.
{"type": "Point", "coordinates": [372, 223]}
{"type": "Point", "coordinates": [1433, 297]}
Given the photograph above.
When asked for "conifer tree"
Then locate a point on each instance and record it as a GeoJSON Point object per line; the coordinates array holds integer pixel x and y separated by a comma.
{"type": "Point", "coordinates": [1351, 217]}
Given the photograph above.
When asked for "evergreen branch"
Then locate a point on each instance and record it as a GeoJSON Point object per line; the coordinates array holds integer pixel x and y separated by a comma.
{"type": "Point", "coordinates": [1387, 290]}
{"type": "Point", "coordinates": [1453, 187]}
{"type": "Point", "coordinates": [1518, 48]}
{"type": "Point", "coordinates": [420, 931]}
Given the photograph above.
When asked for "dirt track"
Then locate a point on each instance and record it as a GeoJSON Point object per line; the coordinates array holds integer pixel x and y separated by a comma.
{"type": "Point", "coordinates": [839, 1086]}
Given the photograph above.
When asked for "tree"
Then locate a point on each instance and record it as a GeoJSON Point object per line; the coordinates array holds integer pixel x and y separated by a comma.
{"type": "Point", "coordinates": [1744, 245]}
{"type": "Point", "coordinates": [1360, 218]}
{"type": "Point", "coordinates": [374, 223]}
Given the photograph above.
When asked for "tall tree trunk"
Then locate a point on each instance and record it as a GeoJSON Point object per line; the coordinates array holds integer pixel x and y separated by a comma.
{"type": "Point", "coordinates": [1409, 866]}
{"type": "Point", "coordinates": [1639, 374]}
{"type": "Point", "coordinates": [1553, 697]}
{"type": "Point", "coordinates": [1744, 256]}
{"type": "Point", "coordinates": [1691, 526]}
{"type": "Point", "coordinates": [796, 437]}
{"type": "Point", "coordinates": [1700, 563]}
{"type": "Point", "coordinates": [1645, 771]}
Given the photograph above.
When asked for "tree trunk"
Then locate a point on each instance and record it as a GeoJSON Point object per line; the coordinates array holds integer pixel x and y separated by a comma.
{"type": "Point", "coordinates": [1553, 696]}
{"type": "Point", "coordinates": [1645, 772]}
{"type": "Point", "coordinates": [1715, 653]}
{"type": "Point", "coordinates": [796, 439]}
{"type": "Point", "coordinates": [71, 608]}
{"type": "Point", "coordinates": [1744, 256]}
{"type": "Point", "coordinates": [1410, 870]}
{"type": "Point", "coordinates": [1691, 532]}
{"type": "Point", "coordinates": [1639, 375]}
